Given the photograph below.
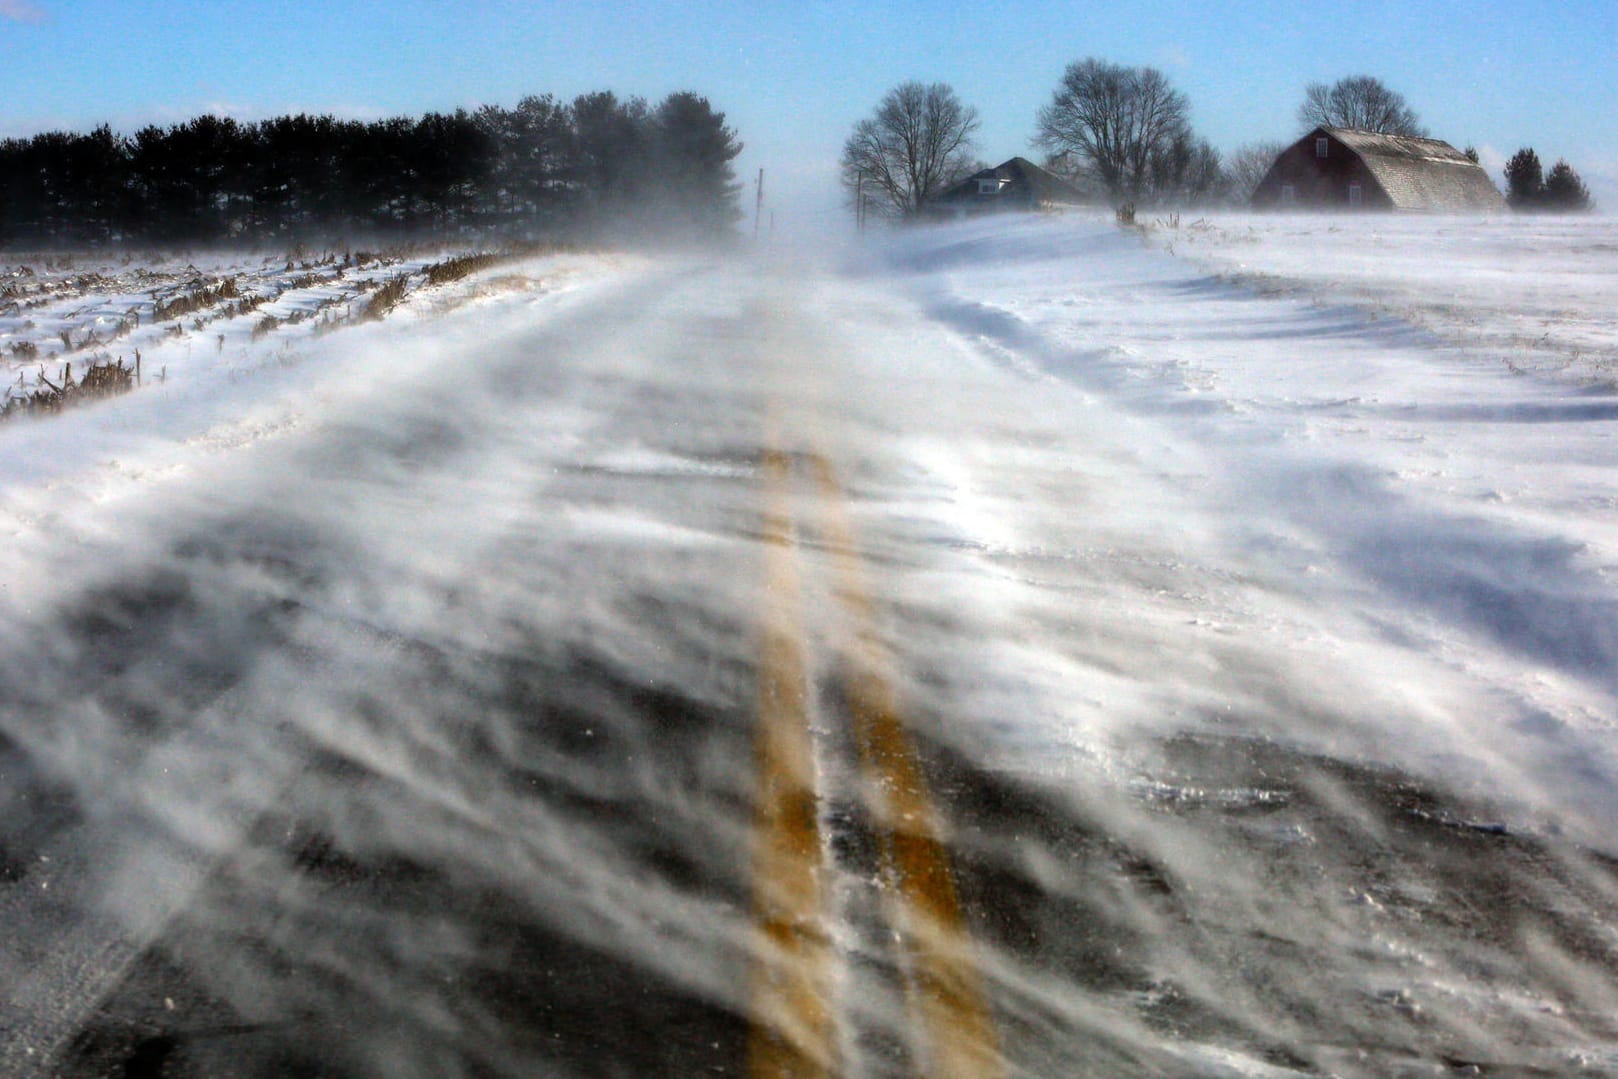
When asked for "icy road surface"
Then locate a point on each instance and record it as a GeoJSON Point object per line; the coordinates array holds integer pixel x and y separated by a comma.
{"type": "Point", "coordinates": [1012, 651]}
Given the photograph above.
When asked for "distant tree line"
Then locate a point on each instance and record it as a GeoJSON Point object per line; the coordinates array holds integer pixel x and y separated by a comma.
{"type": "Point", "coordinates": [1124, 135]}
{"type": "Point", "coordinates": [1529, 188]}
{"type": "Point", "coordinates": [545, 168]}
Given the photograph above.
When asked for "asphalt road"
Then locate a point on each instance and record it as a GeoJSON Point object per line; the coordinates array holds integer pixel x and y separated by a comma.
{"type": "Point", "coordinates": [638, 692]}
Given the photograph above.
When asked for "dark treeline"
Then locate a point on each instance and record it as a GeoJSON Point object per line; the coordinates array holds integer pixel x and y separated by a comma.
{"type": "Point", "coordinates": [597, 166]}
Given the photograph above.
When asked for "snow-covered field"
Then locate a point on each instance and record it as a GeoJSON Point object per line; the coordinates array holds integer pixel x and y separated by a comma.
{"type": "Point", "coordinates": [217, 336]}
{"type": "Point", "coordinates": [1423, 513]}
{"type": "Point", "coordinates": [1251, 584]}
{"type": "Point", "coordinates": [205, 315]}
{"type": "Point", "coordinates": [55, 309]}
{"type": "Point", "coordinates": [1536, 294]}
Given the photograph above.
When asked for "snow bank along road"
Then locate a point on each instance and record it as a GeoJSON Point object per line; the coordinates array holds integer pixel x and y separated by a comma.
{"type": "Point", "coordinates": [1013, 652]}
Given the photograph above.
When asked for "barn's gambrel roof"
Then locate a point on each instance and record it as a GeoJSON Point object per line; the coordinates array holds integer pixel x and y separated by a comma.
{"type": "Point", "coordinates": [1419, 174]}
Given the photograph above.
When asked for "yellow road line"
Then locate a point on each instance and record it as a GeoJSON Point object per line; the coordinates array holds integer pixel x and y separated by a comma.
{"type": "Point", "coordinates": [945, 987]}
{"type": "Point", "coordinates": [792, 1032]}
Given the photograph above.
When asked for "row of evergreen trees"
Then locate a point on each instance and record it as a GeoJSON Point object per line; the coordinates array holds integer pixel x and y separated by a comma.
{"type": "Point", "coordinates": [1528, 187]}
{"type": "Point", "coordinates": [544, 169]}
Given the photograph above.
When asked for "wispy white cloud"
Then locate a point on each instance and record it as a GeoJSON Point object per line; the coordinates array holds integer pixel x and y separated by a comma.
{"type": "Point", "coordinates": [1174, 56]}
{"type": "Point", "coordinates": [21, 11]}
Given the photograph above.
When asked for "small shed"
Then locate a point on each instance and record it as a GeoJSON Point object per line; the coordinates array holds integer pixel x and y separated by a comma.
{"type": "Point", "coordinates": [1341, 168]}
{"type": "Point", "coordinates": [1017, 184]}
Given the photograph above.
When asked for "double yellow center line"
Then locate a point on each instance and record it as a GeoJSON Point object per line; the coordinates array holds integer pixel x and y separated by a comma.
{"type": "Point", "coordinates": [794, 1028]}
{"type": "Point", "coordinates": [792, 1032]}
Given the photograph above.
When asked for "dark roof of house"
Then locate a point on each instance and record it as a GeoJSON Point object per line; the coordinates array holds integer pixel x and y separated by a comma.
{"type": "Point", "coordinates": [1419, 174]}
{"type": "Point", "coordinates": [1020, 173]}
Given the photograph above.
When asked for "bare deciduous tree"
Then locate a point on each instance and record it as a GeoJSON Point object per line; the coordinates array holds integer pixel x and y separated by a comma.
{"type": "Point", "coordinates": [1358, 101]}
{"type": "Point", "coordinates": [1110, 120]}
{"type": "Point", "coordinates": [1187, 172]}
{"type": "Point", "coordinates": [918, 143]}
{"type": "Point", "coordinates": [1246, 167]}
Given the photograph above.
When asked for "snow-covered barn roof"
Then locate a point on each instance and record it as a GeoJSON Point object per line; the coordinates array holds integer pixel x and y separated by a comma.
{"type": "Point", "coordinates": [1419, 174]}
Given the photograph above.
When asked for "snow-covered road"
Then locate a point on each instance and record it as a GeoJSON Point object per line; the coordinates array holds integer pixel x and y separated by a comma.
{"type": "Point", "coordinates": [1011, 649]}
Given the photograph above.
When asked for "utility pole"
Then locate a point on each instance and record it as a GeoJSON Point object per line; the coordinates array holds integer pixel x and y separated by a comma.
{"type": "Point", "coordinates": [859, 202]}
{"type": "Point", "coordinates": [758, 203]}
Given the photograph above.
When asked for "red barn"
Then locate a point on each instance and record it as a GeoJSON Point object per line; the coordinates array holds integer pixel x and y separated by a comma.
{"type": "Point", "coordinates": [1340, 168]}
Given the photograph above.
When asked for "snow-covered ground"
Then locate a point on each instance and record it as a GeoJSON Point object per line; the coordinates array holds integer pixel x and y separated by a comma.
{"type": "Point", "coordinates": [1534, 293]}
{"type": "Point", "coordinates": [200, 316]}
{"type": "Point", "coordinates": [55, 309]}
{"type": "Point", "coordinates": [1364, 476]}
{"type": "Point", "coordinates": [1254, 598]}
{"type": "Point", "coordinates": [286, 322]}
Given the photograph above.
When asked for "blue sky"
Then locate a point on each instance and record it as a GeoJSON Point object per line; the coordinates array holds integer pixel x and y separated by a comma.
{"type": "Point", "coordinates": [792, 77]}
